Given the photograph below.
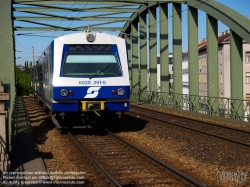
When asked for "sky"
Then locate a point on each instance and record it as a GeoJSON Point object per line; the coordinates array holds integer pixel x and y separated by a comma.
{"type": "Point", "coordinates": [24, 44]}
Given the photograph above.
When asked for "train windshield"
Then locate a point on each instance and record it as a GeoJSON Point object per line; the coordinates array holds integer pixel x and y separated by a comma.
{"type": "Point", "coordinates": [81, 65]}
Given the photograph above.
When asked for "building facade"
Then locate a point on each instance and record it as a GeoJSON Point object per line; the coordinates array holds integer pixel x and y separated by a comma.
{"type": "Point", "coordinates": [224, 67]}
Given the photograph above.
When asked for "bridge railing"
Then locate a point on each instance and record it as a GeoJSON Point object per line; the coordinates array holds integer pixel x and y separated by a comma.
{"type": "Point", "coordinates": [219, 106]}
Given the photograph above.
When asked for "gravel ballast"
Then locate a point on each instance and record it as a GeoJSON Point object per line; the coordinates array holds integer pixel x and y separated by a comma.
{"type": "Point", "coordinates": [209, 160]}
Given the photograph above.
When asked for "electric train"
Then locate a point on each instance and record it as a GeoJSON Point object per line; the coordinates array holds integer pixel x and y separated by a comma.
{"type": "Point", "coordinates": [83, 76]}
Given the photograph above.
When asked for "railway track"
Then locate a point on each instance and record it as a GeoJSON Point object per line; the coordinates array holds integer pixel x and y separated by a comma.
{"type": "Point", "coordinates": [227, 133]}
{"type": "Point", "coordinates": [123, 164]}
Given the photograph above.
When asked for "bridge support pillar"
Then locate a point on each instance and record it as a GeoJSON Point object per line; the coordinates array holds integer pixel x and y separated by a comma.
{"type": "Point", "coordinates": [4, 157]}
{"type": "Point", "coordinates": [152, 48]}
{"type": "Point", "coordinates": [135, 59]}
{"type": "Point", "coordinates": [7, 63]}
{"type": "Point", "coordinates": [143, 51]}
{"type": "Point", "coordinates": [236, 65]}
{"type": "Point", "coordinates": [177, 54]}
{"type": "Point", "coordinates": [164, 63]}
{"type": "Point", "coordinates": [212, 64]}
{"type": "Point", "coordinates": [193, 65]}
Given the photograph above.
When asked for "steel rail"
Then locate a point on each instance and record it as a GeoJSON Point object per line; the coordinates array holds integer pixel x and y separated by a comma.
{"type": "Point", "coordinates": [226, 127]}
{"type": "Point", "coordinates": [197, 130]}
{"type": "Point", "coordinates": [109, 178]}
{"type": "Point", "coordinates": [187, 180]}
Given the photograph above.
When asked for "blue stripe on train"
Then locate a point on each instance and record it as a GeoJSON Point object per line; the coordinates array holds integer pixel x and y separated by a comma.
{"type": "Point", "coordinates": [93, 92]}
{"type": "Point", "coordinates": [74, 107]}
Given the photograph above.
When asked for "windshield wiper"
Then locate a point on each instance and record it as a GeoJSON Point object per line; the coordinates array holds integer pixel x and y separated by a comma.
{"type": "Point", "coordinates": [99, 72]}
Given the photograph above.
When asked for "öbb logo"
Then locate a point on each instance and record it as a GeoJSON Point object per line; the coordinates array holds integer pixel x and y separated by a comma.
{"type": "Point", "coordinates": [92, 92]}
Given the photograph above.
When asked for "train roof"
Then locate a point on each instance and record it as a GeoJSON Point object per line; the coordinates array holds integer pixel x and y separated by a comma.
{"type": "Point", "coordinates": [82, 38]}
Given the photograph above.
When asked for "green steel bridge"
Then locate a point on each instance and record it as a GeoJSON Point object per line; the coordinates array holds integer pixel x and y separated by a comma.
{"type": "Point", "coordinates": [138, 20]}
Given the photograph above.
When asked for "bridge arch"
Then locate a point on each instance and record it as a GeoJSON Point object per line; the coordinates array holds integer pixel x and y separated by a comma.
{"type": "Point", "coordinates": [239, 32]}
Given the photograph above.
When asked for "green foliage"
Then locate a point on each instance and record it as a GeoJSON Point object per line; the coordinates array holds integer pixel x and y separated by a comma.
{"type": "Point", "coordinates": [23, 81]}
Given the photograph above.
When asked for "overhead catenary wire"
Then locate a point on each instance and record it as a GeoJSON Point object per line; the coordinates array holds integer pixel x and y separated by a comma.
{"type": "Point", "coordinates": [111, 29]}
{"type": "Point", "coordinates": [27, 52]}
{"type": "Point", "coordinates": [80, 10]}
{"type": "Point", "coordinates": [29, 34]}
{"type": "Point", "coordinates": [77, 15]}
{"type": "Point", "coordinates": [38, 35]}
{"type": "Point", "coordinates": [72, 20]}
{"type": "Point", "coordinates": [21, 34]}
{"type": "Point", "coordinates": [22, 46]}
{"type": "Point", "coordinates": [145, 27]}
{"type": "Point", "coordinates": [60, 24]}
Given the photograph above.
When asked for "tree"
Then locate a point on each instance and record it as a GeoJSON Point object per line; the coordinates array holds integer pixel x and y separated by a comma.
{"type": "Point", "coordinates": [26, 64]}
{"type": "Point", "coordinates": [23, 80]}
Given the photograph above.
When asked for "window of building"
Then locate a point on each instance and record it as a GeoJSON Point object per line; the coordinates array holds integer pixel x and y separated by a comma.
{"type": "Point", "coordinates": [247, 98]}
{"type": "Point", "coordinates": [205, 78]}
{"type": "Point", "coordinates": [247, 57]}
{"type": "Point", "coordinates": [221, 78]}
{"type": "Point", "coordinates": [221, 59]}
{"type": "Point", "coordinates": [248, 77]}
{"type": "Point", "coordinates": [221, 95]}
{"type": "Point", "coordinates": [205, 61]}
{"type": "Point", "coordinates": [199, 77]}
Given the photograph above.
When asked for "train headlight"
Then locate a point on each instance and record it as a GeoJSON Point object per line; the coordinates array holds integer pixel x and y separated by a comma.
{"type": "Point", "coordinates": [64, 92]}
{"type": "Point", "coordinates": [120, 91]}
{"type": "Point", "coordinates": [90, 37]}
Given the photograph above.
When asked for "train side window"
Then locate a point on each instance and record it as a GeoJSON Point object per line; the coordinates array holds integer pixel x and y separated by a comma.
{"type": "Point", "coordinates": [47, 70]}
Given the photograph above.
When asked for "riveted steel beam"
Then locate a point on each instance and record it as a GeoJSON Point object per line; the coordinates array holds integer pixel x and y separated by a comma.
{"type": "Point", "coordinates": [164, 63]}
{"type": "Point", "coordinates": [193, 65]}
{"type": "Point", "coordinates": [143, 51]}
{"type": "Point", "coordinates": [74, 28]}
{"type": "Point", "coordinates": [61, 18]}
{"type": "Point", "coordinates": [67, 29]}
{"type": "Point", "coordinates": [76, 2]}
{"type": "Point", "coordinates": [212, 57]}
{"type": "Point", "coordinates": [177, 48]}
{"type": "Point", "coordinates": [129, 52]}
{"type": "Point", "coordinates": [100, 1]}
{"type": "Point", "coordinates": [236, 66]}
{"type": "Point", "coordinates": [63, 9]}
{"type": "Point", "coordinates": [212, 62]}
{"type": "Point", "coordinates": [152, 48]}
{"type": "Point", "coordinates": [135, 59]}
